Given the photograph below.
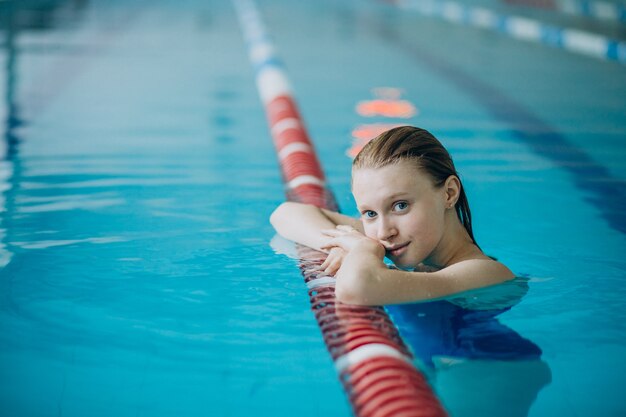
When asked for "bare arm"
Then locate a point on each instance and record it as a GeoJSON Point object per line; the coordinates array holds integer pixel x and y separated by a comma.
{"type": "Point", "coordinates": [365, 280]}
{"type": "Point", "coordinates": [303, 223]}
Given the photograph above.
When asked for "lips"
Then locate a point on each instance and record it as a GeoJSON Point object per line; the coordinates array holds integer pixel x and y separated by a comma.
{"type": "Point", "coordinates": [396, 250]}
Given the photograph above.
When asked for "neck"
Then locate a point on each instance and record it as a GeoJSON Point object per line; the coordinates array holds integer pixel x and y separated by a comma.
{"type": "Point", "coordinates": [455, 245]}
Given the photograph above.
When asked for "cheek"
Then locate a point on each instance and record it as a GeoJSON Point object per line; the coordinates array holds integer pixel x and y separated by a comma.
{"type": "Point", "coordinates": [370, 231]}
{"type": "Point", "coordinates": [427, 223]}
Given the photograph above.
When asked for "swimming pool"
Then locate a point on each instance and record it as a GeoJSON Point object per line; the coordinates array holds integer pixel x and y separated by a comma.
{"type": "Point", "coordinates": [138, 275]}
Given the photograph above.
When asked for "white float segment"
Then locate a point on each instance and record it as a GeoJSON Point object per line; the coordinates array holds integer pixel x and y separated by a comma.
{"type": "Point", "coordinates": [252, 25]}
{"type": "Point", "coordinates": [483, 18]}
{"type": "Point", "coordinates": [285, 124]}
{"type": "Point", "coordinates": [304, 179]}
{"type": "Point", "coordinates": [365, 352]}
{"type": "Point", "coordinates": [584, 42]}
{"type": "Point", "coordinates": [254, 33]}
{"type": "Point", "coordinates": [523, 28]}
{"type": "Point", "coordinates": [293, 147]}
{"type": "Point", "coordinates": [245, 11]}
{"type": "Point", "coordinates": [452, 12]}
{"type": "Point", "coordinates": [321, 282]}
{"type": "Point", "coordinates": [261, 51]}
{"type": "Point", "coordinates": [271, 83]}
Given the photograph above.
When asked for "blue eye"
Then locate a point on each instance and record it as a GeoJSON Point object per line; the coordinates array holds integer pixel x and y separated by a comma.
{"type": "Point", "coordinates": [369, 214]}
{"type": "Point", "coordinates": [401, 206]}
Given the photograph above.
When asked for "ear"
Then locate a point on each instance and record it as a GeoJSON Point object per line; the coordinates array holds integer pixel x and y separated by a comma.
{"type": "Point", "coordinates": [452, 189]}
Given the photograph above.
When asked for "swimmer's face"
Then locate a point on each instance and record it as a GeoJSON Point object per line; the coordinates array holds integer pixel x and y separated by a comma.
{"type": "Point", "coordinates": [402, 209]}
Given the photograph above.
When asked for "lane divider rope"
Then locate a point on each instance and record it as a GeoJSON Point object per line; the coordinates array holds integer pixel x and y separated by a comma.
{"type": "Point", "coordinates": [373, 363]}
{"type": "Point", "coordinates": [602, 10]}
{"type": "Point", "coordinates": [522, 28]}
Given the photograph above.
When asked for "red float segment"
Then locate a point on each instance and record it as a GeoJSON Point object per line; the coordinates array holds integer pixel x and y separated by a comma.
{"type": "Point", "coordinates": [341, 331]}
{"type": "Point", "coordinates": [287, 128]}
{"type": "Point", "coordinates": [374, 403]}
{"type": "Point", "coordinates": [387, 386]}
{"type": "Point", "coordinates": [377, 364]}
{"type": "Point", "coordinates": [381, 386]}
{"type": "Point", "coordinates": [288, 136]}
{"type": "Point", "coordinates": [314, 292]}
{"type": "Point", "coordinates": [282, 107]}
{"type": "Point", "coordinates": [372, 381]}
{"type": "Point", "coordinates": [322, 312]}
{"type": "Point", "coordinates": [350, 336]}
{"type": "Point", "coordinates": [312, 194]}
{"type": "Point", "coordinates": [383, 326]}
{"type": "Point", "coordinates": [298, 164]}
{"type": "Point", "coordinates": [380, 338]}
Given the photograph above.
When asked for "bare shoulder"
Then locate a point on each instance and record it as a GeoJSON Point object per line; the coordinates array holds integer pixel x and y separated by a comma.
{"type": "Point", "coordinates": [395, 286]}
{"type": "Point", "coordinates": [479, 271]}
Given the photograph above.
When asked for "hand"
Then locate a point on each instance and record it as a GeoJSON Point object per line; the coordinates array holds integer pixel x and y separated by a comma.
{"type": "Point", "coordinates": [333, 261]}
{"type": "Point", "coordinates": [348, 238]}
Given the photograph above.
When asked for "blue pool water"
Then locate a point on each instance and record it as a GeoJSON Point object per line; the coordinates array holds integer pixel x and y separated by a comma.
{"type": "Point", "coordinates": [137, 273]}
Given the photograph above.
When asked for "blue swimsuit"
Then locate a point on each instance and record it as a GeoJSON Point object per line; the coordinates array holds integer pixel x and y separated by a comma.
{"type": "Point", "coordinates": [441, 328]}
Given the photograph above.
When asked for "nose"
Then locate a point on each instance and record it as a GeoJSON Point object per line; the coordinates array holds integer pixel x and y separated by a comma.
{"type": "Point", "coordinates": [386, 229]}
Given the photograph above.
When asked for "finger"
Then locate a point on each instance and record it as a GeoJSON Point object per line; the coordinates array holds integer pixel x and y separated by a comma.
{"type": "Point", "coordinates": [332, 245]}
{"type": "Point", "coordinates": [332, 268]}
{"type": "Point", "coordinates": [325, 264]}
{"type": "Point", "coordinates": [330, 271]}
{"type": "Point", "coordinates": [328, 261]}
{"type": "Point", "coordinates": [346, 228]}
{"type": "Point", "coordinates": [329, 245]}
{"type": "Point", "coordinates": [332, 232]}
{"type": "Point", "coordinates": [334, 263]}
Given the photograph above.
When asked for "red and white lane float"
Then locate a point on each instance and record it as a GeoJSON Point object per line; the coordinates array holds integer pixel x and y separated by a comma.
{"type": "Point", "coordinates": [373, 362]}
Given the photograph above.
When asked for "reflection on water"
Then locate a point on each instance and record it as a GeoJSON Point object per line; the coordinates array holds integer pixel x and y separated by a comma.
{"type": "Point", "coordinates": [6, 172]}
{"type": "Point", "coordinates": [16, 17]}
{"type": "Point", "coordinates": [460, 343]}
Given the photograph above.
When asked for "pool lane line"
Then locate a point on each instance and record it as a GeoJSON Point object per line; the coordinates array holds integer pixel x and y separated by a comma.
{"type": "Point", "coordinates": [601, 189]}
{"type": "Point", "coordinates": [600, 10]}
{"type": "Point", "coordinates": [363, 341]}
{"type": "Point", "coordinates": [302, 172]}
{"type": "Point", "coordinates": [521, 28]}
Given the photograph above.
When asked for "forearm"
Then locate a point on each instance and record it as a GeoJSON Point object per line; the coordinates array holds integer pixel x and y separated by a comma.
{"type": "Point", "coordinates": [360, 274]}
{"type": "Point", "coordinates": [367, 282]}
{"type": "Point", "coordinates": [302, 223]}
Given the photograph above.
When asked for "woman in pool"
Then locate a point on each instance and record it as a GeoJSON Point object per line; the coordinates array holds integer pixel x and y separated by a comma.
{"type": "Point", "coordinates": [413, 210]}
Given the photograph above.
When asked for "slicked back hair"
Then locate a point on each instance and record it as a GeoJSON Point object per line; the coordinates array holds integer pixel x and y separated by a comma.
{"type": "Point", "coordinates": [418, 146]}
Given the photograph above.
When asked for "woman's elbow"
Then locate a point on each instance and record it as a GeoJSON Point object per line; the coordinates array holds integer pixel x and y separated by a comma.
{"type": "Point", "coordinates": [278, 216]}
